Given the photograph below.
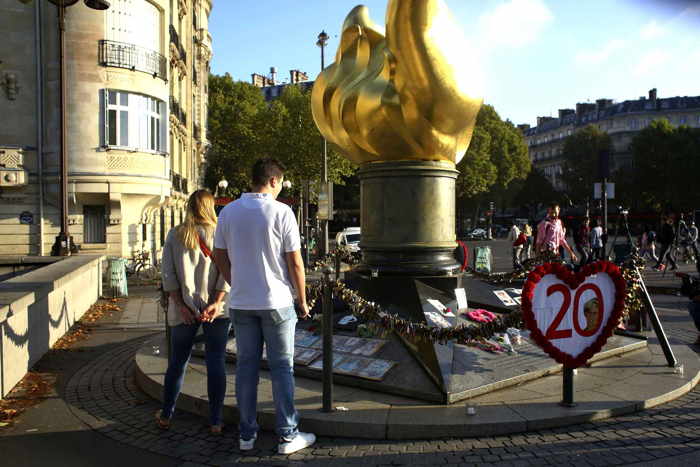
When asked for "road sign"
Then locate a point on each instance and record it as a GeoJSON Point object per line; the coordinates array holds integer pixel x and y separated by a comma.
{"type": "Point", "coordinates": [598, 190]}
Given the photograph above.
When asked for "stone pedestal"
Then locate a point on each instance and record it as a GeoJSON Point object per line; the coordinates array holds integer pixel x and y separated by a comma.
{"type": "Point", "coordinates": [408, 218]}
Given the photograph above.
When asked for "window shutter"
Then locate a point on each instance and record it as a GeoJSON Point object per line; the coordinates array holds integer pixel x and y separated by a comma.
{"type": "Point", "coordinates": [105, 120]}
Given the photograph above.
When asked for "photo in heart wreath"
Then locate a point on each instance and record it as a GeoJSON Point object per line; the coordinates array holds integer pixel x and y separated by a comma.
{"type": "Point", "coordinates": [571, 315]}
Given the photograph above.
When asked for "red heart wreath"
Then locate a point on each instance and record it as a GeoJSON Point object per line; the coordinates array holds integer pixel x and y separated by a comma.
{"type": "Point", "coordinates": [573, 280]}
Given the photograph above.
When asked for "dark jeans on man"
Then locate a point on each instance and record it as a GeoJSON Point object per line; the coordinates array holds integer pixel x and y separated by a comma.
{"type": "Point", "coordinates": [666, 255]}
{"type": "Point", "coordinates": [182, 338]}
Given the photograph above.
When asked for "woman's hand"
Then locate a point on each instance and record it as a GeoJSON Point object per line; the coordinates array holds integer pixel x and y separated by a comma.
{"type": "Point", "coordinates": [209, 312]}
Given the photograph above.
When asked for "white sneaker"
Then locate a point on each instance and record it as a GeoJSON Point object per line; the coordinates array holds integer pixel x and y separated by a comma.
{"type": "Point", "coordinates": [300, 441]}
{"type": "Point", "coordinates": [247, 444]}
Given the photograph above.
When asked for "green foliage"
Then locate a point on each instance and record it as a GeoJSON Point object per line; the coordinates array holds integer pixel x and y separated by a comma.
{"type": "Point", "coordinates": [581, 153]}
{"type": "Point", "coordinates": [666, 164]}
{"type": "Point", "coordinates": [496, 157]}
{"type": "Point", "coordinates": [537, 189]}
{"type": "Point", "coordinates": [243, 127]}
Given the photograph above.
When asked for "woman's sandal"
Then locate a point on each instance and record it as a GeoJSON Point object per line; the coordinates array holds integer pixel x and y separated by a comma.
{"type": "Point", "coordinates": [162, 423]}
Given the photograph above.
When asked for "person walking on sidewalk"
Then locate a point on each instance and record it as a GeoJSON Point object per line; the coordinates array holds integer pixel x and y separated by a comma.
{"type": "Point", "coordinates": [257, 246]}
{"type": "Point", "coordinates": [551, 234]}
{"type": "Point", "coordinates": [513, 235]}
{"type": "Point", "coordinates": [527, 249]}
{"type": "Point", "coordinates": [597, 252]}
{"type": "Point", "coordinates": [666, 238]}
{"type": "Point", "coordinates": [582, 240]}
{"type": "Point", "coordinates": [196, 292]}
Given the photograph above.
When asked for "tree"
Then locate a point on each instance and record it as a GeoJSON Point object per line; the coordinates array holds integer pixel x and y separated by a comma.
{"type": "Point", "coordinates": [536, 190]}
{"type": "Point", "coordinates": [496, 156]}
{"type": "Point", "coordinates": [243, 127]}
{"type": "Point", "coordinates": [666, 164]}
{"type": "Point", "coordinates": [581, 155]}
{"type": "Point", "coordinates": [235, 111]}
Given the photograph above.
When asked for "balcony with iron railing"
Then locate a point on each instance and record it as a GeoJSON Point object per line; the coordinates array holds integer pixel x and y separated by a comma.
{"type": "Point", "coordinates": [132, 57]}
{"type": "Point", "coordinates": [177, 111]}
{"type": "Point", "coordinates": [175, 40]}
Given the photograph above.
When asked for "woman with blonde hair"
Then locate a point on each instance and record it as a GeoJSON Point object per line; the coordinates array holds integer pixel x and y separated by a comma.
{"type": "Point", "coordinates": [196, 293]}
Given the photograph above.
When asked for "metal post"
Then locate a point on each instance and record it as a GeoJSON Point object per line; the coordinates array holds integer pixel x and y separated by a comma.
{"type": "Point", "coordinates": [656, 324]}
{"type": "Point", "coordinates": [307, 239]}
{"type": "Point", "coordinates": [322, 39]}
{"type": "Point", "coordinates": [605, 212]}
{"type": "Point", "coordinates": [62, 245]}
{"type": "Point", "coordinates": [327, 324]}
{"type": "Point", "coordinates": [337, 264]}
{"type": "Point", "coordinates": [568, 387]}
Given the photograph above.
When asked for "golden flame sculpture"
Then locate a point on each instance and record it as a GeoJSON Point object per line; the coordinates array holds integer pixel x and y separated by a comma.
{"type": "Point", "coordinates": [403, 96]}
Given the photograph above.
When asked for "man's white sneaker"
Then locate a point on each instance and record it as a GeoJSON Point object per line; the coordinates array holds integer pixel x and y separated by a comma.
{"type": "Point", "coordinates": [300, 441]}
{"type": "Point", "coordinates": [247, 444]}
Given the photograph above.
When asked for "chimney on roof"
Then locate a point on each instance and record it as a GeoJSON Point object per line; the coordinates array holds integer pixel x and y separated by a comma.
{"type": "Point", "coordinates": [652, 94]}
{"type": "Point", "coordinates": [273, 75]}
{"type": "Point", "coordinates": [297, 76]}
{"type": "Point", "coordinates": [601, 104]}
{"type": "Point", "coordinates": [564, 112]}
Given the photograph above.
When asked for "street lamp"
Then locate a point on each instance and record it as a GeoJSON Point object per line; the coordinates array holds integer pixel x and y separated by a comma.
{"type": "Point", "coordinates": [64, 242]}
{"type": "Point", "coordinates": [321, 42]}
{"type": "Point", "coordinates": [222, 185]}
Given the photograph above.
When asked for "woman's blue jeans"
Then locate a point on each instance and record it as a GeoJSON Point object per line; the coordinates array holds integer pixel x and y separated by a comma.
{"type": "Point", "coordinates": [276, 329]}
{"type": "Point", "coordinates": [182, 339]}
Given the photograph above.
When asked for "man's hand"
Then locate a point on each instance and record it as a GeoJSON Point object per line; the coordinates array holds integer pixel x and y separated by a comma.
{"type": "Point", "coordinates": [304, 311]}
{"type": "Point", "coordinates": [188, 316]}
{"type": "Point", "coordinates": [574, 258]}
{"type": "Point", "coordinates": [209, 312]}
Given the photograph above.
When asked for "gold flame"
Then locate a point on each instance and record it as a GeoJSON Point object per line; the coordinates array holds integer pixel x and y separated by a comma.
{"type": "Point", "coordinates": [400, 96]}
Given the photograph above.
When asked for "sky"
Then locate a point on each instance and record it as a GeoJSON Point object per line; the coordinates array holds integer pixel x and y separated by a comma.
{"type": "Point", "coordinates": [532, 57]}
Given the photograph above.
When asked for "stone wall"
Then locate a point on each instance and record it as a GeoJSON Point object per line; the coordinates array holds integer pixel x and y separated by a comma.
{"type": "Point", "coordinates": [39, 307]}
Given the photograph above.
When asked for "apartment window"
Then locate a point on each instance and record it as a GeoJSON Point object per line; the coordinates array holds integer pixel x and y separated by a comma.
{"type": "Point", "coordinates": [94, 225]}
{"type": "Point", "coordinates": [134, 121]}
{"type": "Point", "coordinates": [134, 22]}
{"type": "Point", "coordinates": [682, 120]}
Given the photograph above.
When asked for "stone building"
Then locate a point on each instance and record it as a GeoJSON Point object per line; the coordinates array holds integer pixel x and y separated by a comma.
{"type": "Point", "coordinates": [271, 89]}
{"type": "Point", "coordinates": [136, 109]}
{"type": "Point", "coordinates": [621, 120]}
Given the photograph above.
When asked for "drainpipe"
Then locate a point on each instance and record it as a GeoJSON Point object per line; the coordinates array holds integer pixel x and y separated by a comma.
{"type": "Point", "coordinates": [40, 120]}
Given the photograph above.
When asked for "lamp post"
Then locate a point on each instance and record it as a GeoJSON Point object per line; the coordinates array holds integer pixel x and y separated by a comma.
{"type": "Point", "coordinates": [321, 42]}
{"type": "Point", "coordinates": [63, 245]}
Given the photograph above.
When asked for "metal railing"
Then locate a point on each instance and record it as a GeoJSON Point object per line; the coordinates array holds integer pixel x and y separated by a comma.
{"type": "Point", "coordinates": [175, 39]}
{"type": "Point", "coordinates": [133, 57]}
{"type": "Point", "coordinates": [176, 110]}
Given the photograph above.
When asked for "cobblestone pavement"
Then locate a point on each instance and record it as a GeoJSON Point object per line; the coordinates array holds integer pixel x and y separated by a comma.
{"type": "Point", "coordinates": [103, 394]}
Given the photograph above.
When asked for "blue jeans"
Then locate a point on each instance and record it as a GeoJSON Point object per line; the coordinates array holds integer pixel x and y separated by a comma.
{"type": "Point", "coordinates": [276, 329]}
{"type": "Point", "coordinates": [694, 310]}
{"type": "Point", "coordinates": [182, 338]}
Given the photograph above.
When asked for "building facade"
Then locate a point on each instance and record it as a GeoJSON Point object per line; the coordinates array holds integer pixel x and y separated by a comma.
{"type": "Point", "coordinates": [621, 120]}
{"type": "Point", "coordinates": [136, 108]}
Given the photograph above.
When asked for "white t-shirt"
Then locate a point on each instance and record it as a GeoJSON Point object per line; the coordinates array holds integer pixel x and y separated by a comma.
{"type": "Point", "coordinates": [257, 231]}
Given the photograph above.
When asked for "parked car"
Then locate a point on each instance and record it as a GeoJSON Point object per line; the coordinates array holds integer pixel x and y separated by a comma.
{"type": "Point", "coordinates": [477, 234]}
{"type": "Point", "coordinates": [349, 238]}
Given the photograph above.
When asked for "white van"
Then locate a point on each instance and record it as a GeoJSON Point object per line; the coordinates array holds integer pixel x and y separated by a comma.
{"type": "Point", "coordinates": [349, 238]}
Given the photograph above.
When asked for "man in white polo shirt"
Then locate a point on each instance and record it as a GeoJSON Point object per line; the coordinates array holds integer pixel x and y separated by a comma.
{"type": "Point", "coordinates": [257, 249]}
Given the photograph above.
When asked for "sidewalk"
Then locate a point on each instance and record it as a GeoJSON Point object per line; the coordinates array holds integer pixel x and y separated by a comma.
{"type": "Point", "coordinates": [97, 416]}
